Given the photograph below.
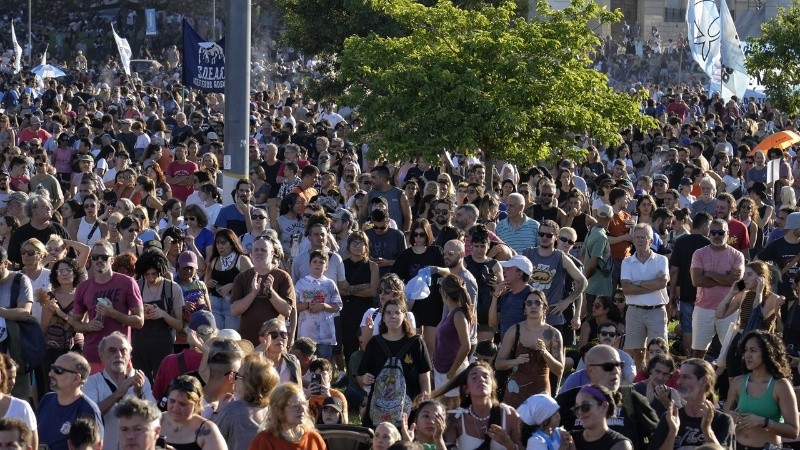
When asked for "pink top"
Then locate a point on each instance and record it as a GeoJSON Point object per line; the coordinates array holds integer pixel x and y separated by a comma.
{"type": "Point", "coordinates": [721, 261]}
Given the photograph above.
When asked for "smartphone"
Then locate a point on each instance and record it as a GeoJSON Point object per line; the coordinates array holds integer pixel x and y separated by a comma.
{"type": "Point", "coordinates": [316, 378]}
{"type": "Point", "coordinates": [161, 442]}
{"type": "Point", "coordinates": [740, 285]}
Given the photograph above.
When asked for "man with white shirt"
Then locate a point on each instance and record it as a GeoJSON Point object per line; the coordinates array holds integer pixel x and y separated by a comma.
{"type": "Point", "coordinates": [644, 277]}
{"type": "Point", "coordinates": [117, 380]}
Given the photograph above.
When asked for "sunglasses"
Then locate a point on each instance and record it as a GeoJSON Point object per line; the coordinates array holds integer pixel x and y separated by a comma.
{"type": "Point", "coordinates": [257, 217]}
{"type": "Point", "coordinates": [608, 334]}
{"type": "Point", "coordinates": [132, 230]}
{"type": "Point", "coordinates": [583, 407]}
{"type": "Point", "coordinates": [609, 366]}
{"type": "Point", "coordinates": [547, 235]}
{"type": "Point", "coordinates": [58, 370]}
{"type": "Point", "coordinates": [566, 240]}
{"type": "Point", "coordinates": [533, 303]}
{"type": "Point", "coordinates": [181, 385]}
{"type": "Point", "coordinates": [278, 334]}
{"type": "Point", "coordinates": [717, 232]}
{"type": "Point", "coordinates": [191, 218]}
{"type": "Point", "coordinates": [419, 234]}
{"type": "Point", "coordinates": [380, 228]}
{"type": "Point", "coordinates": [29, 252]}
{"type": "Point", "coordinates": [524, 192]}
{"type": "Point", "coordinates": [39, 164]}
{"type": "Point", "coordinates": [100, 257]}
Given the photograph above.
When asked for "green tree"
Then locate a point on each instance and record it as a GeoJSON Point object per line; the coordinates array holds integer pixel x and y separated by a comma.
{"type": "Point", "coordinates": [775, 55]}
{"type": "Point", "coordinates": [484, 78]}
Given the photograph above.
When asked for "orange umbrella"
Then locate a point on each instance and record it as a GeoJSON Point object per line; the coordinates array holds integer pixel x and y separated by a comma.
{"type": "Point", "coordinates": [781, 140]}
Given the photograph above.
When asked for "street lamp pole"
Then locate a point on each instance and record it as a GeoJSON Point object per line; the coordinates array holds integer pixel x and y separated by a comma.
{"type": "Point", "coordinates": [30, 35]}
{"type": "Point", "coordinates": [214, 20]}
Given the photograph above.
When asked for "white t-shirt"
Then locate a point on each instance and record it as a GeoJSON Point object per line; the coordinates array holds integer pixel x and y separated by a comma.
{"type": "Point", "coordinates": [22, 410]}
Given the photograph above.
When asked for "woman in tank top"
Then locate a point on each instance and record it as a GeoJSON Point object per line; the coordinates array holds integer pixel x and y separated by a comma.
{"type": "Point", "coordinates": [453, 335]}
{"type": "Point", "coordinates": [766, 405]}
{"type": "Point", "coordinates": [594, 405]}
{"type": "Point", "coordinates": [577, 218]}
{"type": "Point", "coordinates": [532, 350]}
{"type": "Point", "coordinates": [227, 260]}
{"type": "Point", "coordinates": [480, 415]}
{"type": "Point", "coordinates": [89, 228]}
{"type": "Point", "coordinates": [182, 425]}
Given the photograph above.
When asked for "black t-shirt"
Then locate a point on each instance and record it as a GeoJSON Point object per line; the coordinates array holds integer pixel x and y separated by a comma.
{"type": "Point", "coordinates": [608, 440]}
{"type": "Point", "coordinates": [780, 253]}
{"type": "Point", "coordinates": [415, 362]}
{"type": "Point", "coordinates": [689, 432]}
{"type": "Point", "coordinates": [642, 424]}
{"type": "Point", "coordinates": [271, 172]}
{"type": "Point", "coordinates": [681, 258]}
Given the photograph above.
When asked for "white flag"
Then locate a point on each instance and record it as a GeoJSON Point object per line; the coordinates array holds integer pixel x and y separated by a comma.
{"type": "Point", "coordinates": [44, 55]}
{"type": "Point", "coordinates": [734, 76]}
{"type": "Point", "coordinates": [702, 19]}
{"type": "Point", "coordinates": [17, 50]}
{"type": "Point", "coordinates": [125, 52]}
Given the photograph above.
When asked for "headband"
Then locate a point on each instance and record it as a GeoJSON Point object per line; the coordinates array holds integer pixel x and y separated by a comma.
{"type": "Point", "coordinates": [594, 392]}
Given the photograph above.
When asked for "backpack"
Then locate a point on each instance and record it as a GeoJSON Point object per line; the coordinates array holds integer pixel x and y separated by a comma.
{"type": "Point", "coordinates": [388, 398]}
{"type": "Point", "coordinates": [32, 344]}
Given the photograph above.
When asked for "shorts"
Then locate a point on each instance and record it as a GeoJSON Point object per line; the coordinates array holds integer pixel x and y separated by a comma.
{"type": "Point", "coordinates": [325, 351]}
{"type": "Point", "coordinates": [642, 325]}
{"type": "Point", "coordinates": [686, 308]}
{"type": "Point", "coordinates": [440, 379]}
{"type": "Point", "coordinates": [705, 325]}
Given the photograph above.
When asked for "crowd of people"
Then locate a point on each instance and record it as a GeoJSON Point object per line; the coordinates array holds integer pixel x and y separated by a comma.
{"type": "Point", "coordinates": [644, 297]}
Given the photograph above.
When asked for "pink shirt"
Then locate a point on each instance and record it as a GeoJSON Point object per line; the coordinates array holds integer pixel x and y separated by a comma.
{"type": "Point", "coordinates": [720, 261]}
{"type": "Point", "coordinates": [125, 297]}
{"type": "Point", "coordinates": [178, 169]}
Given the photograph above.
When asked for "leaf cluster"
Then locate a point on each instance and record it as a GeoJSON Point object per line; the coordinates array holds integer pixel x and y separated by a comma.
{"type": "Point", "coordinates": [483, 78]}
{"type": "Point", "coordinates": [776, 55]}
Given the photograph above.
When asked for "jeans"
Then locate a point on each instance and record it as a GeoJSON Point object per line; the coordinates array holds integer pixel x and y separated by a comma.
{"type": "Point", "coordinates": [221, 309]}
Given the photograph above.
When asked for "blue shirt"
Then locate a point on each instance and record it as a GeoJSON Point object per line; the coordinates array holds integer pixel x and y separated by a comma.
{"type": "Point", "coordinates": [512, 309]}
{"type": "Point", "coordinates": [527, 235]}
{"type": "Point", "coordinates": [55, 420]}
{"type": "Point", "coordinates": [230, 217]}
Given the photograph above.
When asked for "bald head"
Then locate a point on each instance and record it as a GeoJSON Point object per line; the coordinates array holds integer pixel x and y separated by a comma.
{"type": "Point", "coordinates": [600, 358]}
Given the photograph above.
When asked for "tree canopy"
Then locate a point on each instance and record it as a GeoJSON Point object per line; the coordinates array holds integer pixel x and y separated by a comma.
{"type": "Point", "coordinates": [464, 79]}
{"type": "Point", "coordinates": [776, 55]}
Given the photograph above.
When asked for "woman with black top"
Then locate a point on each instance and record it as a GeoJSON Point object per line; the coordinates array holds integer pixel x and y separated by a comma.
{"type": "Point", "coordinates": [594, 405]}
{"type": "Point", "coordinates": [602, 310]}
{"type": "Point", "coordinates": [488, 274]}
{"type": "Point", "coordinates": [409, 262]}
{"type": "Point", "coordinates": [228, 259]}
{"type": "Point", "coordinates": [577, 217]}
{"type": "Point", "coordinates": [182, 425]}
{"type": "Point", "coordinates": [565, 183]}
{"type": "Point", "coordinates": [362, 277]}
{"type": "Point", "coordinates": [395, 334]}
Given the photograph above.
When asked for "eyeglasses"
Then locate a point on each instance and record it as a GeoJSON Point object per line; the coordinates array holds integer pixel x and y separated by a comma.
{"type": "Point", "coordinates": [257, 217]}
{"type": "Point", "coordinates": [278, 334]}
{"type": "Point", "coordinates": [583, 407]}
{"type": "Point", "coordinates": [566, 240]}
{"type": "Point", "coordinates": [58, 370]}
{"type": "Point", "coordinates": [608, 334]}
{"type": "Point", "coordinates": [717, 232]}
{"type": "Point", "coordinates": [66, 271]}
{"type": "Point", "coordinates": [39, 164]}
{"type": "Point", "coordinates": [100, 257]}
{"type": "Point", "coordinates": [609, 366]}
{"type": "Point", "coordinates": [419, 234]}
{"type": "Point", "coordinates": [29, 252]}
{"type": "Point", "coordinates": [547, 235]}
{"type": "Point", "coordinates": [536, 302]}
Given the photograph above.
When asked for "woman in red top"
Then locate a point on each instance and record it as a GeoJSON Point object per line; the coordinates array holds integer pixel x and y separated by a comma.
{"type": "Point", "coordinates": [288, 425]}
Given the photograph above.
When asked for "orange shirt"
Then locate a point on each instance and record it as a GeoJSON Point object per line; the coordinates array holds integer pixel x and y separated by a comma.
{"type": "Point", "coordinates": [617, 227]}
{"type": "Point", "coordinates": [265, 440]}
{"type": "Point", "coordinates": [305, 196]}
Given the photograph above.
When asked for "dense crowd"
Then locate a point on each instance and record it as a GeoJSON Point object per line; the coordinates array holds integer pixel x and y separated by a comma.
{"type": "Point", "coordinates": [644, 297]}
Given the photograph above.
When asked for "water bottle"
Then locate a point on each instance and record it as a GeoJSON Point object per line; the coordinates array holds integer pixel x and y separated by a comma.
{"type": "Point", "coordinates": [295, 245]}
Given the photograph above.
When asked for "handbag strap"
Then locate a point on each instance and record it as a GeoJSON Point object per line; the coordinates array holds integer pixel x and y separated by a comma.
{"type": "Point", "coordinates": [790, 264]}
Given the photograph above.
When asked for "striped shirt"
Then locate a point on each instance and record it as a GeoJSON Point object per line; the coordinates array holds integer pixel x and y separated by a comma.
{"type": "Point", "coordinates": [527, 235]}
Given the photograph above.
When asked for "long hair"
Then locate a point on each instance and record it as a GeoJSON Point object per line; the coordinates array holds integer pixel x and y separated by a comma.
{"type": "Point", "coordinates": [702, 368]}
{"type": "Point", "coordinates": [761, 269]}
{"type": "Point", "coordinates": [454, 287]}
{"type": "Point", "coordinates": [772, 352]}
{"type": "Point", "coordinates": [460, 382]}
{"type": "Point", "coordinates": [230, 236]}
{"type": "Point", "coordinates": [259, 378]}
{"type": "Point", "coordinates": [278, 401]}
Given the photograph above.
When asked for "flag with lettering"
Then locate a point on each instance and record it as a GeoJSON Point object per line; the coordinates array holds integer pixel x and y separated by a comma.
{"type": "Point", "coordinates": [203, 61]}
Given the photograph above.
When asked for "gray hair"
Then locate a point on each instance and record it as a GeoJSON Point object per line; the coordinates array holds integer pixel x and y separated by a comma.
{"type": "Point", "coordinates": [33, 203]}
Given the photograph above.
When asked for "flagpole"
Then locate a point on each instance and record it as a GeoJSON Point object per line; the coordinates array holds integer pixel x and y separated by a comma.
{"type": "Point", "coordinates": [30, 36]}
{"type": "Point", "coordinates": [721, 62]}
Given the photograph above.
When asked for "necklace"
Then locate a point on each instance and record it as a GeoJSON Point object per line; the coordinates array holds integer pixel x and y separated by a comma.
{"type": "Point", "coordinates": [475, 416]}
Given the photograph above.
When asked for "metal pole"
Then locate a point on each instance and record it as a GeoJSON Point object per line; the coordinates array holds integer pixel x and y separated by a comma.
{"type": "Point", "coordinates": [214, 20]}
{"type": "Point", "coordinates": [237, 95]}
{"type": "Point", "coordinates": [30, 36]}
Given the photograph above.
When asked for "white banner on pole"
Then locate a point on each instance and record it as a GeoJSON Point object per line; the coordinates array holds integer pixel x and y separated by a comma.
{"type": "Point", "coordinates": [17, 50]}
{"type": "Point", "coordinates": [125, 52]}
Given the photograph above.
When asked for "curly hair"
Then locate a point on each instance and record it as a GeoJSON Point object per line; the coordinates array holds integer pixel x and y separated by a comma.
{"type": "Point", "coordinates": [125, 264]}
{"type": "Point", "coordinates": [772, 352]}
{"type": "Point", "coordinates": [78, 274]}
{"type": "Point", "coordinates": [152, 259]}
{"type": "Point", "coordinates": [279, 400]}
